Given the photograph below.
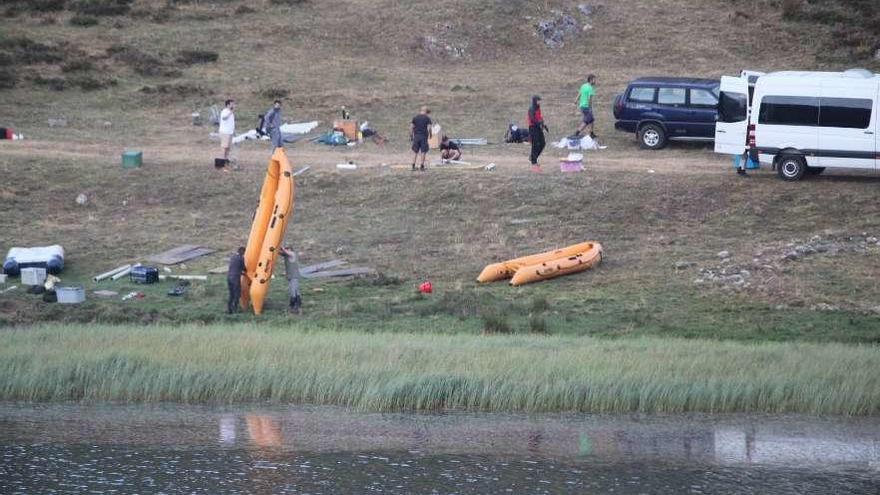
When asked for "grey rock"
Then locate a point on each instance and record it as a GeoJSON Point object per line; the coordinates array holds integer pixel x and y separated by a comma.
{"type": "Point", "coordinates": [745, 273]}
{"type": "Point", "coordinates": [681, 265]}
{"type": "Point", "coordinates": [724, 254]}
{"type": "Point", "coordinates": [58, 122]}
{"type": "Point", "coordinates": [823, 307]}
{"type": "Point", "coordinates": [587, 10]}
{"type": "Point", "coordinates": [877, 55]}
{"type": "Point", "coordinates": [554, 31]}
{"type": "Point", "coordinates": [872, 240]}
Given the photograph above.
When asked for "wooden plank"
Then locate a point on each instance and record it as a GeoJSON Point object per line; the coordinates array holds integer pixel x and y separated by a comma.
{"type": "Point", "coordinates": [180, 254]}
{"type": "Point", "coordinates": [321, 266]}
{"type": "Point", "coordinates": [348, 272]}
{"type": "Point", "coordinates": [171, 254]}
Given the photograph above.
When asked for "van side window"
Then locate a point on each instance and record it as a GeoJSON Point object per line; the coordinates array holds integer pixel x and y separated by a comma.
{"type": "Point", "coordinates": [732, 107]}
{"type": "Point", "coordinates": [671, 96]}
{"type": "Point", "coordinates": [852, 113]}
{"type": "Point", "coordinates": [703, 98]}
{"type": "Point", "coordinates": [641, 94]}
{"type": "Point", "coordinates": [789, 110]}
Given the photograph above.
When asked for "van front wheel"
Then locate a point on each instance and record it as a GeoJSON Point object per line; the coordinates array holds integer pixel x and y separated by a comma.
{"type": "Point", "coordinates": [791, 167]}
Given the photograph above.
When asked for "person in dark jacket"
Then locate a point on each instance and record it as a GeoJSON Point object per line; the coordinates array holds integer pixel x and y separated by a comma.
{"type": "Point", "coordinates": [272, 124]}
{"type": "Point", "coordinates": [233, 280]}
{"type": "Point", "coordinates": [291, 267]}
{"type": "Point", "coordinates": [536, 132]}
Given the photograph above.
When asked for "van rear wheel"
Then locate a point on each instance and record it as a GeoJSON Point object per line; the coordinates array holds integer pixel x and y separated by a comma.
{"type": "Point", "coordinates": [652, 137]}
{"type": "Point", "coordinates": [791, 167]}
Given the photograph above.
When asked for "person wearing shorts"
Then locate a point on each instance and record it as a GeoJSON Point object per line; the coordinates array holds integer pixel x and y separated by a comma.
{"type": "Point", "coordinates": [585, 104]}
{"type": "Point", "coordinates": [420, 130]}
{"type": "Point", "coordinates": [227, 127]}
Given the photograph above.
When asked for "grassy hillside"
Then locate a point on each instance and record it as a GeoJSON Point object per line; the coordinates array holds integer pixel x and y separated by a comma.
{"type": "Point", "coordinates": [653, 211]}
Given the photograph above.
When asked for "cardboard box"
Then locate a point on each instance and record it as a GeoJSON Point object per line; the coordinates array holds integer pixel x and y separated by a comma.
{"type": "Point", "coordinates": [33, 276]}
{"type": "Point", "coordinates": [434, 138]}
{"type": "Point", "coordinates": [348, 127]}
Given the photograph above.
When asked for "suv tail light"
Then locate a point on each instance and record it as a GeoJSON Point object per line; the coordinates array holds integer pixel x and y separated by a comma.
{"type": "Point", "coordinates": [751, 141]}
{"type": "Point", "coordinates": [618, 105]}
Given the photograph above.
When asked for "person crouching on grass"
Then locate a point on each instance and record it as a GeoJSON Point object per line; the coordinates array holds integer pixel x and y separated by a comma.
{"type": "Point", "coordinates": [449, 150]}
{"type": "Point", "coordinates": [291, 267]}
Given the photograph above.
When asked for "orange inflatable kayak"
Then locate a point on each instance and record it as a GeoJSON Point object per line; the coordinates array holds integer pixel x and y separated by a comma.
{"type": "Point", "coordinates": [267, 231]}
{"type": "Point", "coordinates": [561, 266]}
{"type": "Point", "coordinates": [506, 269]}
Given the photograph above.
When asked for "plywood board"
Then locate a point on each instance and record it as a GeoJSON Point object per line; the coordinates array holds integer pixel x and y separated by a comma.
{"type": "Point", "coordinates": [180, 254]}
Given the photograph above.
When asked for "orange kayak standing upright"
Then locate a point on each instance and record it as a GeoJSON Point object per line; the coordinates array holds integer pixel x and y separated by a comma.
{"type": "Point", "coordinates": [267, 232]}
{"type": "Point", "coordinates": [561, 266]}
{"type": "Point", "coordinates": [505, 269]}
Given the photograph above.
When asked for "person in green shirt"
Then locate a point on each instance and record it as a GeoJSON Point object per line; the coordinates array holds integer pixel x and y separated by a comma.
{"type": "Point", "coordinates": [585, 103]}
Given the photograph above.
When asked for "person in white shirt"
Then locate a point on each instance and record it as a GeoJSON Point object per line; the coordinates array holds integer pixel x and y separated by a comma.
{"type": "Point", "coordinates": [227, 127]}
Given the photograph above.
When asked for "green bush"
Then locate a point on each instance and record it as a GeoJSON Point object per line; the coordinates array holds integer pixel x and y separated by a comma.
{"type": "Point", "coordinates": [8, 77]}
{"type": "Point", "coordinates": [191, 57]}
{"type": "Point", "coordinates": [78, 65]}
{"type": "Point", "coordinates": [83, 21]}
{"type": "Point", "coordinates": [102, 7]}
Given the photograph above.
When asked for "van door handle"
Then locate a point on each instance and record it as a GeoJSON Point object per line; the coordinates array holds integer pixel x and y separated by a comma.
{"type": "Point", "coordinates": [869, 132]}
{"type": "Point", "coordinates": [722, 131]}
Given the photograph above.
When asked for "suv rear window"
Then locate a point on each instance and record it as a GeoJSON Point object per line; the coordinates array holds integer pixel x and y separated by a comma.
{"type": "Point", "coordinates": [703, 98]}
{"type": "Point", "coordinates": [642, 94]}
{"type": "Point", "coordinates": [671, 96]}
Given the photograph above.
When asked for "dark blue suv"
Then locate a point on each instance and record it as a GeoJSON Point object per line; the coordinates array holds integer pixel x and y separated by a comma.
{"type": "Point", "coordinates": [659, 109]}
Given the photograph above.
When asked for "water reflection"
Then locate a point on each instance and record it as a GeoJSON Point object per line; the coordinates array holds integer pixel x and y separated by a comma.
{"type": "Point", "coordinates": [289, 449]}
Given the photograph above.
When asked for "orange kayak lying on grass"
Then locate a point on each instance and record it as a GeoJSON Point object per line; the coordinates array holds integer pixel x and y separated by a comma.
{"type": "Point", "coordinates": [558, 267]}
{"type": "Point", "coordinates": [506, 269]}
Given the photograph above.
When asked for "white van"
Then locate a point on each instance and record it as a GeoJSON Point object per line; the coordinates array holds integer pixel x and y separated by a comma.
{"type": "Point", "coordinates": [802, 122]}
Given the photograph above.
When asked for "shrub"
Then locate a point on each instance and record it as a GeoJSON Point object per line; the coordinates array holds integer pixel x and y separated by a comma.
{"type": "Point", "coordinates": [244, 9]}
{"type": "Point", "coordinates": [791, 8]}
{"type": "Point", "coordinates": [103, 7]}
{"type": "Point", "coordinates": [79, 65]}
{"type": "Point", "coordinates": [287, 2]}
{"type": "Point", "coordinates": [494, 323]}
{"type": "Point", "coordinates": [176, 90]}
{"type": "Point", "coordinates": [274, 93]}
{"type": "Point", "coordinates": [53, 83]}
{"type": "Point", "coordinates": [537, 324]}
{"type": "Point", "coordinates": [539, 304]}
{"type": "Point", "coordinates": [142, 63]}
{"type": "Point", "coordinates": [8, 77]}
{"type": "Point", "coordinates": [45, 5]}
{"type": "Point", "coordinates": [27, 51]}
{"type": "Point", "coordinates": [90, 83]}
{"type": "Point", "coordinates": [83, 21]}
{"type": "Point", "coordinates": [191, 57]}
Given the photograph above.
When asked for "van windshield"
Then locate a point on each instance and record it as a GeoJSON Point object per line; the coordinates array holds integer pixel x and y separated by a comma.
{"type": "Point", "coordinates": [732, 107]}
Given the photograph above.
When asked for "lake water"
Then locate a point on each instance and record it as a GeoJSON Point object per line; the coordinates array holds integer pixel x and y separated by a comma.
{"type": "Point", "coordinates": [176, 449]}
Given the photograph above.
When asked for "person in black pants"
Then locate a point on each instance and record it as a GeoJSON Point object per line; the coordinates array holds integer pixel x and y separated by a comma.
{"type": "Point", "coordinates": [233, 280]}
{"type": "Point", "coordinates": [536, 132]}
{"type": "Point", "coordinates": [420, 131]}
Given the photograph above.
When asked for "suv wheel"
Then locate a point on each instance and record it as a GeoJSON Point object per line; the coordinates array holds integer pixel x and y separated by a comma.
{"type": "Point", "coordinates": [791, 167]}
{"type": "Point", "coordinates": [652, 137]}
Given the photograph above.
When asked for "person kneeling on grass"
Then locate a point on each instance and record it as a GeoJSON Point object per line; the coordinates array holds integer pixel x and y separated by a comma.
{"type": "Point", "coordinates": [291, 267]}
{"type": "Point", "coordinates": [449, 150]}
{"type": "Point", "coordinates": [233, 280]}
